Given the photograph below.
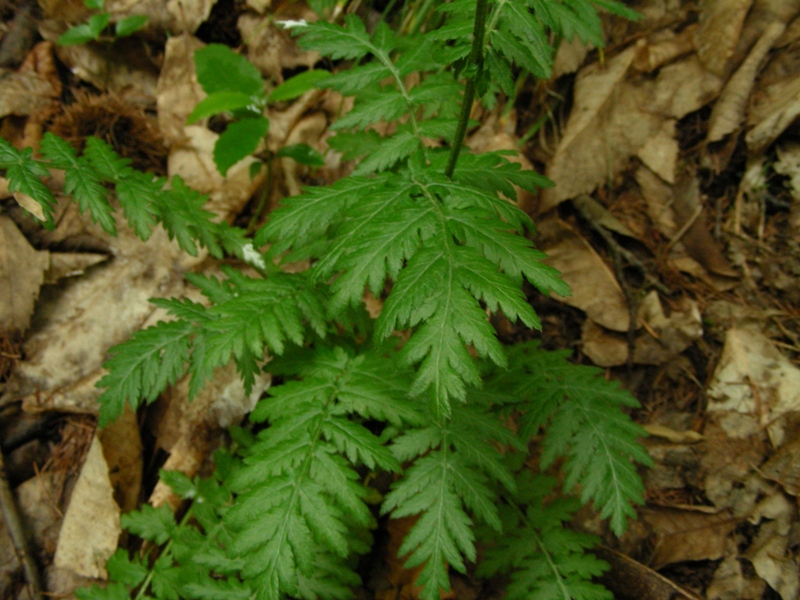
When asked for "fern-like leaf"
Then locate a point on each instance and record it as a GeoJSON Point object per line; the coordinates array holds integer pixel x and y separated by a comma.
{"type": "Point", "coordinates": [546, 560]}
{"type": "Point", "coordinates": [80, 180]}
{"type": "Point", "coordinates": [459, 462]}
{"type": "Point", "coordinates": [585, 423]}
{"type": "Point", "coordinates": [25, 175]}
{"type": "Point", "coordinates": [300, 499]}
{"type": "Point", "coordinates": [143, 366]}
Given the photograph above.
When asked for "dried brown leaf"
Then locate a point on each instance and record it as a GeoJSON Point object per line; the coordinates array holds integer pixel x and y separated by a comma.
{"type": "Point", "coordinates": [683, 535]}
{"type": "Point", "coordinates": [594, 288]}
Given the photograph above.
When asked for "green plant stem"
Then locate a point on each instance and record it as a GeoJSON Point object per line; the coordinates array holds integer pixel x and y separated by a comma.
{"type": "Point", "coordinates": [476, 59]}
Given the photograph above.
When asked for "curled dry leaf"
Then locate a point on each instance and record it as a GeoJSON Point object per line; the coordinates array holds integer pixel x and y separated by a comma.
{"type": "Point", "coordinates": [663, 48]}
{"type": "Point", "coordinates": [775, 108]}
{"type": "Point", "coordinates": [661, 339]}
{"type": "Point", "coordinates": [729, 110]}
{"type": "Point", "coordinates": [718, 32]}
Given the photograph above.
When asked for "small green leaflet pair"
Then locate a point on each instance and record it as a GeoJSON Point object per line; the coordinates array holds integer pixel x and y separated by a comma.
{"type": "Point", "coordinates": [92, 30]}
{"type": "Point", "coordinates": [235, 87]}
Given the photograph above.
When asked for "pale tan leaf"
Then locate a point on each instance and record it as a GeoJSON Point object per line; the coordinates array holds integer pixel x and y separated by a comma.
{"type": "Point", "coordinates": [673, 435]}
{"type": "Point", "coordinates": [769, 553]}
{"type": "Point", "coordinates": [586, 153]}
{"type": "Point", "coordinates": [178, 91]}
{"type": "Point", "coordinates": [32, 206]}
{"type": "Point", "coordinates": [603, 347]}
{"type": "Point", "coordinates": [683, 87]}
{"type": "Point", "coordinates": [22, 271]}
{"type": "Point", "coordinates": [91, 527]}
{"type": "Point", "coordinates": [71, 264]}
{"type": "Point", "coordinates": [660, 152]}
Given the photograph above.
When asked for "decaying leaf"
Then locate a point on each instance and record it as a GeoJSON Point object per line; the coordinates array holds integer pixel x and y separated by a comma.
{"type": "Point", "coordinates": [693, 232]}
{"type": "Point", "coordinates": [122, 450]}
{"type": "Point", "coordinates": [64, 357]}
{"type": "Point", "coordinates": [754, 378]}
{"type": "Point", "coordinates": [784, 467]}
{"type": "Point", "coordinates": [769, 552]}
{"type": "Point", "coordinates": [270, 47]}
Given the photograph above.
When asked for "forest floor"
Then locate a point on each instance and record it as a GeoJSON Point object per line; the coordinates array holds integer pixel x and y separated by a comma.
{"type": "Point", "coordinates": [675, 218]}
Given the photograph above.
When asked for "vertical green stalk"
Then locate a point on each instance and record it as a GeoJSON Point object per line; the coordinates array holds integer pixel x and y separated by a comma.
{"type": "Point", "coordinates": [476, 60]}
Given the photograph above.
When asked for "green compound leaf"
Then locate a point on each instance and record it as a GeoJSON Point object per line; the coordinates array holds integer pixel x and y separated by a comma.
{"type": "Point", "coordinates": [459, 462]}
{"type": "Point", "coordinates": [350, 41]}
{"type": "Point", "coordinates": [546, 559]}
{"type": "Point", "coordinates": [301, 501]}
{"type": "Point", "coordinates": [25, 175]}
{"type": "Point", "coordinates": [142, 367]}
{"type": "Point", "coordinates": [220, 69]}
{"type": "Point", "coordinates": [153, 524]}
{"type": "Point", "coordinates": [124, 570]}
{"type": "Point", "coordinates": [113, 591]}
{"type": "Point", "coordinates": [80, 180]}
{"type": "Point", "coordinates": [239, 141]}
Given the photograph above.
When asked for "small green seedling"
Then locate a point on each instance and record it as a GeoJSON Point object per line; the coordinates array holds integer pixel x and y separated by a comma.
{"type": "Point", "coordinates": [234, 87]}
